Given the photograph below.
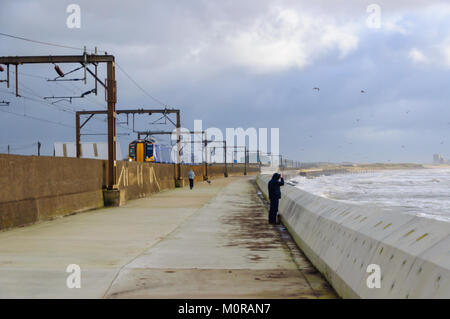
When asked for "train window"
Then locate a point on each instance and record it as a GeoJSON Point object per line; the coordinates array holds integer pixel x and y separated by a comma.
{"type": "Point", "coordinates": [132, 150]}
{"type": "Point", "coordinates": [149, 150]}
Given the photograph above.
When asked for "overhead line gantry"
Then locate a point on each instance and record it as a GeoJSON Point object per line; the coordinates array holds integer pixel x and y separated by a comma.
{"type": "Point", "coordinates": [110, 87]}
{"type": "Point", "coordinates": [165, 112]}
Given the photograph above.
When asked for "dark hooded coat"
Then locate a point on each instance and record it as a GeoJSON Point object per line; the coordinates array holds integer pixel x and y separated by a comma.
{"type": "Point", "coordinates": [274, 186]}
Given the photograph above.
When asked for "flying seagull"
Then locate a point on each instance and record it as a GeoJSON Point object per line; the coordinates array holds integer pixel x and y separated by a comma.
{"type": "Point", "coordinates": [317, 89]}
{"type": "Point", "coordinates": [362, 91]}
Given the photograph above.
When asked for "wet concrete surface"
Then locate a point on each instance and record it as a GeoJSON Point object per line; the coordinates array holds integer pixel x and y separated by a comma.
{"type": "Point", "coordinates": [211, 242]}
{"type": "Point", "coordinates": [33, 259]}
{"type": "Point", "coordinates": [226, 249]}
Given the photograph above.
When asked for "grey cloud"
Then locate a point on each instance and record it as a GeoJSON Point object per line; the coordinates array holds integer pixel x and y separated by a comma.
{"type": "Point", "coordinates": [179, 52]}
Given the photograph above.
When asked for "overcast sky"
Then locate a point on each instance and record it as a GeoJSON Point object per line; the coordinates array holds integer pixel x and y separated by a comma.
{"type": "Point", "coordinates": [250, 63]}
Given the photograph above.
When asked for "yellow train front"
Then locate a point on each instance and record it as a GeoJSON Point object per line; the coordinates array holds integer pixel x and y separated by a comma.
{"type": "Point", "coordinates": [149, 150]}
{"type": "Point", "coordinates": [141, 151]}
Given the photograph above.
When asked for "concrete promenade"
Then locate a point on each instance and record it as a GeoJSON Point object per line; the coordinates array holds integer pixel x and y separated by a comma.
{"type": "Point", "coordinates": [211, 242]}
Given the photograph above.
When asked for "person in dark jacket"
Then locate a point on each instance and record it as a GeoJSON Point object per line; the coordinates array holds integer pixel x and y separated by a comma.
{"type": "Point", "coordinates": [191, 176]}
{"type": "Point", "coordinates": [274, 195]}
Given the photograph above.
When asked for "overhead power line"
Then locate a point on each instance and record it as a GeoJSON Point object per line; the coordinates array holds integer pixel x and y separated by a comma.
{"type": "Point", "coordinates": [46, 43]}
{"type": "Point", "coordinates": [43, 102]}
{"type": "Point", "coordinates": [58, 108]}
{"type": "Point", "coordinates": [82, 49]}
{"type": "Point", "coordinates": [140, 87]}
{"type": "Point", "coordinates": [40, 100]}
{"type": "Point", "coordinates": [37, 118]}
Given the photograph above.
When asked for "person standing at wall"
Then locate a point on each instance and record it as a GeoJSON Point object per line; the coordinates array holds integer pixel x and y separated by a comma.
{"type": "Point", "coordinates": [274, 195]}
{"type": "Point", "coordinates": [191, 176]}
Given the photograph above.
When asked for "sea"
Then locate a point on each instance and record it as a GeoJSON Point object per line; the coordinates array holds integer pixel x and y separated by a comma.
{"type": "Point", "coordinates": [421, 192]}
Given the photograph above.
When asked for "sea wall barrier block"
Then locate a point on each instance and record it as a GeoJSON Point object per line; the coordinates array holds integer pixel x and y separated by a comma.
{"type": "Point", "coordinates": [342, 240]}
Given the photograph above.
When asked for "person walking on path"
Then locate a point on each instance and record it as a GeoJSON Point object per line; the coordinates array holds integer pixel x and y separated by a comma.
{"type": "Point", "coordinates": [274, 195]}
{"type": "Point", "coordinates": [191, 176]}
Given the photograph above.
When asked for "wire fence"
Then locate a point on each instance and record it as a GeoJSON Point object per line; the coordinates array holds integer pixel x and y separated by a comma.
{"type": "Point", "coordinates": [33, 148]}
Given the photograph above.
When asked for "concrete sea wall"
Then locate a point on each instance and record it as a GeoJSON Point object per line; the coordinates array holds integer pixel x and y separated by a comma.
{"type": "Point", "coordinates": [342, 240]}
{"type": "Point", "coordinates": [136, 180]}
{"type": "Point", "coordinates": [34, 189]}
{"type": "Point", "coordinates": [39, 188]}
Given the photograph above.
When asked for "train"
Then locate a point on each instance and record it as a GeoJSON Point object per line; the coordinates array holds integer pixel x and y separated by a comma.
{"type": "Point", "coordinates": [149, 150]}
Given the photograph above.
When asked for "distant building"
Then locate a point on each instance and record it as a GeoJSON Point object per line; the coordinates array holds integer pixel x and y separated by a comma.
{"type": "Point", "coordinates": [439, 159]}
{"type": "Point", "coordinates": [348, 164]}
{"type": "Point", "coordinates": [95, 150]}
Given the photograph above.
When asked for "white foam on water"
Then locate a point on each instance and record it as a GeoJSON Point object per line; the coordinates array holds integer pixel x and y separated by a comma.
{"type": "Point", "coordinates": [422, 192]}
